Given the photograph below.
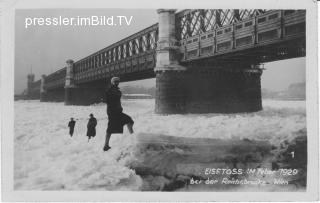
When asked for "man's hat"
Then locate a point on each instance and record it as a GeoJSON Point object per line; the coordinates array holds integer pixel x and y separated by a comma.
{"type": "Point", "coordinates": [114, 79]}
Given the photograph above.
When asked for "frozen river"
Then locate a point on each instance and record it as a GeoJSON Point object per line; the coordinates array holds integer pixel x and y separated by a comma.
{"type": "Point", "coordinates": [47, 158]}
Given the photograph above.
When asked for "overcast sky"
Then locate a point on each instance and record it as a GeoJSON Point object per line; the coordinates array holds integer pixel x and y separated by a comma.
{"type": "Point", "coordinates": [46, 48]}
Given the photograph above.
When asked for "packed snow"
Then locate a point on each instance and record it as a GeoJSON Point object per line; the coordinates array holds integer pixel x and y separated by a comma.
{"type": "Point", "coordinates": [47, 158]}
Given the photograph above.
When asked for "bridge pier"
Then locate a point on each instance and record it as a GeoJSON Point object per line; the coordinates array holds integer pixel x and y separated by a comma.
{"type": "Point", "coordinates": [169, 74]}
{"type": "Point", "coordinates": [209, 90]}
{"type": "Point", "coordinates": [43, 91]}
{"type": "Point", "coordinates": [86, 95]}
{"type": "Point", "coordinates": [223, 89]}
{"type": "Point", "coordinates": [200, 88]}
{"type": "Point", "coordinates": [55, 95]}
{"type": "Point", "coordinates": [69, 87]}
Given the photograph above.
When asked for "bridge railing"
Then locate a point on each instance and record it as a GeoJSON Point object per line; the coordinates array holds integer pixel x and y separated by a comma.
{"type": "Point", "coordinates": [196, 21]}
{"type": "Point", "coordinates": [35, 85]}
{"type": "Point", "coordinates": [205, 33]}
{"type": "Point", "coordinates": [56, 79]}
{"type": "Point", "coordinates": [131, 54]}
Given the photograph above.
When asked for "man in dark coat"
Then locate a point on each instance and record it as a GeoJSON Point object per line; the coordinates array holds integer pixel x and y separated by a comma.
{"type": "Point", "coordinates": [71, 125]}
{"type": "Point", "coordinates": [91, 126]}
{"type": "Point", "coordinates": [117, 119]}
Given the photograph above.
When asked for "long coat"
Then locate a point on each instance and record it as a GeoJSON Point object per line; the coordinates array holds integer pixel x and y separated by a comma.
{"type": "Point", "coordinates": [117, 119]}
{"type": "Point", "coordinates": [71, 125]}
{"type": "Point", "coordinates": [91, 127]}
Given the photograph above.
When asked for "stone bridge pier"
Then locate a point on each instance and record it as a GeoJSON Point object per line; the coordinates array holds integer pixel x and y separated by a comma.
{"type": "Point", "coordinates": [84, 94]}
{"type": "Point", "coordinates": [55, 95]}
{"type": "Point", "coordinates": [200, 87]}
{"type": "Point", "coordinates": [70, 87]}
{"type": "Point", "coordinates": [43, 91]}
{"type": "Point", "coordinates": [71, 93]}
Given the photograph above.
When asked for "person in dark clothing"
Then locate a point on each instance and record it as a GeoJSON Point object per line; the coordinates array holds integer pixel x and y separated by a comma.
{"type": "Point", "coordinates": [71, 125]}
{"type": "Point", "coordinates": [91, 126]}
{"type": "Point", "coordinates": [117, 119]}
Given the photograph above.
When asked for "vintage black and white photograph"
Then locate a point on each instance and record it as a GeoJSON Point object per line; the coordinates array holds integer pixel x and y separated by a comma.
{"type": "Point", "coordinates": [160, 100]}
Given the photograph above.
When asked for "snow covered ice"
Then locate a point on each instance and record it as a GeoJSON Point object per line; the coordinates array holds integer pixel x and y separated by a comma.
{"type": "Point", "coordinates": [47, 158]}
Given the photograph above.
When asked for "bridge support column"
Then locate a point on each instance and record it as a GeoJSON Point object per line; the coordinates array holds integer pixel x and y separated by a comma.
{"type": "Point", "coordinates": [43, 91]}
{"type": "Point", "coordinates": [200, 87]}
{"type": "Point", "coordinates": [223, 89]}
{"type": "Point", "coordinates": [170, 97]}
{"type": "Point", "coordinates": [209, 90]}
{"type": "Point", "coordinates": [69, 85]}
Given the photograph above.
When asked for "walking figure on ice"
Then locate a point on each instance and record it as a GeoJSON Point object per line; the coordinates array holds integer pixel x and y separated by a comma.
{"type": "Point", "coordinates": [71, 125]}
{"type": "Point", "coordinates": [92, 123]}
{"type": "Point", "coordinates": [117, 119]}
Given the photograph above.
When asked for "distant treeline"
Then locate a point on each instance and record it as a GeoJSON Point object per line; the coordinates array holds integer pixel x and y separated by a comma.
{"type": "Point", "coordinates": [139, 90]}
{"type": "Point", "coordinates": [296, 91]}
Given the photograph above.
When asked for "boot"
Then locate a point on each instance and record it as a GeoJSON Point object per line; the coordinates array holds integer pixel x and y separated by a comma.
{"type": "Point", "coordinates": [106, 144]}
{"type": "Point", "coordinates": [130, 127]}
{"type": "Point", "coordinates": [106, 148]}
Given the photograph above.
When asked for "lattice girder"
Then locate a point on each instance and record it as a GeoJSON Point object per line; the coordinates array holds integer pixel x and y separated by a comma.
{"type": "Point", "coordinates": [197, 21]}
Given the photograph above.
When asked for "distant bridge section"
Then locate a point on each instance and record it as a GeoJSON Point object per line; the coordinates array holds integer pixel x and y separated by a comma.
{"type": "Point", "coordinates": [132, 58]}
{"type": "Point", "coordinates": [56, 80]}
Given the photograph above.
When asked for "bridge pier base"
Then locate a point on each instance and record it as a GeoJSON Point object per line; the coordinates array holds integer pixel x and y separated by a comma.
{"type": "Point", "coordinates": [43, 91]}
{"type": "Point", "coordinates": [43, 97]}
{"type": "Point", "coordinates": [69, 88]}
{"type": "Point", "coordinates": [223, 90]}
{"type": "Point", "coordinates": [214, 90]}
{"type": "Point", "coordinates": [54, 95]}
{"type": "Point", "coordinates": [69, 95]}
{"type": "Point", "coordinates": [170, 92]}
{"type": "Point", "coordinates": [84, 95]}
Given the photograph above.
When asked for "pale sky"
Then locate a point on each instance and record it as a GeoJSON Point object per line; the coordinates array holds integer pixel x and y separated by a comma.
{"type": "Point", "coordinates": [46, 48]}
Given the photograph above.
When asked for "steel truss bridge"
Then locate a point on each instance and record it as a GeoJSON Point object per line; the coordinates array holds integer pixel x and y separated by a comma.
{"type": "Point", "coordinates": [202, 37]}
